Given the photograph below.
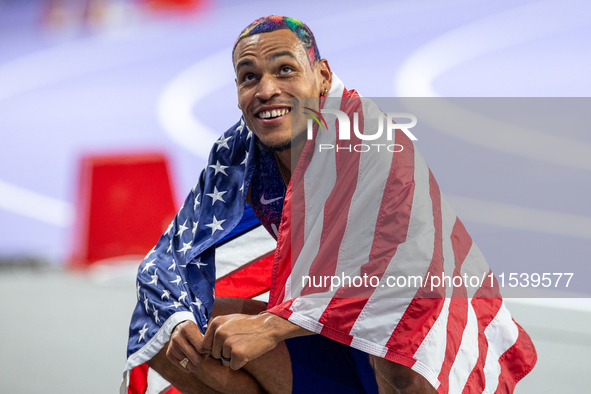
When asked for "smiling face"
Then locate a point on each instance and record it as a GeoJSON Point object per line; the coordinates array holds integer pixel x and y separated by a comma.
{"type": "Point", "coordinates": [271, 68]}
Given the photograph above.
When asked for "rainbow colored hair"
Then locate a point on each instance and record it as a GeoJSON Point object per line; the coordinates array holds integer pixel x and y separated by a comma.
{"type": "Point", "coordinates": [271, 23]}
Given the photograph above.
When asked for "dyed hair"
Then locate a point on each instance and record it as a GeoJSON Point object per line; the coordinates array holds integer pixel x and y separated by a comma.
{"type": "Point", "coordinates": [272, 23]}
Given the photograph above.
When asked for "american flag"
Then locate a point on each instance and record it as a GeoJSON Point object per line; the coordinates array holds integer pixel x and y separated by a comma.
{"type": "Point", "coordinates": [215, 236]}
{"type": "Point", "coordinates": [345, 213]}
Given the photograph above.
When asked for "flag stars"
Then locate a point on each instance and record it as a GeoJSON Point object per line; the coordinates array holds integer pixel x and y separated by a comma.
{"type": "Point", "coordinates": [169, 228]}
{"type": "Point", "coordinates": [175, 304]}
{"type": "Point", "coordinates": [154, 280]}
{"type": "Point", "coordinates": [186, 246]}
{"type": "Point", "coordinates": [165, 294]}
{"type": "Point", "coordinates": [198, 263]}
{"type": "Point", "coordinates": [143, 332]}
{"type": "Point", "coordinates": [156, 318]}
{"type": "Point", "coordinates": [245, 157]}
{"type": "Point", "coordinates": [148, 265]}
{"type": "Point", "coordinates": [150, 253]}
{"type": "Point", "coordinates": [223, 143]}
{"type": "Point", "coordinates": [197, 302]}
{"type": "Point", "coordinates": [194, 228]}
{"type": "Point", "coordinates": [183, 296]}
{"type": "Point", "coordinates": [196, 202]}
{"type": "Point", "coordinates": [172, 266]}
{"type": "Point", "coordinates": [215, 225]}
{"type": "Point", "coordinates": [146, 303]}
{"type": "Point", "coordinates": [219, 168]}
{"type": "Point", "coordinates": [216, 195]}
{"type": "Point", "coordinates": [182, 228]}
{"type": "Point", "coordinates": [177, 281]}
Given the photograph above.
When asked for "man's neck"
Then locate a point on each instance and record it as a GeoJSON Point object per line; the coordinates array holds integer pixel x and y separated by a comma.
{"type": "Point", "coordinates": [290, 157]}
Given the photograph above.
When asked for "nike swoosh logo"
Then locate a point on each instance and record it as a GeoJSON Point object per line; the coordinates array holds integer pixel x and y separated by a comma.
{"type": "Point", "coordinates": [264, 201]}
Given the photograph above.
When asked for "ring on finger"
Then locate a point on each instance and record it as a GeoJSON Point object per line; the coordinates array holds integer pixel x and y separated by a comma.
{"type": "Point", "coordinates": [184, 362]}
{"type": "Point", "coordinates": [224, 359]}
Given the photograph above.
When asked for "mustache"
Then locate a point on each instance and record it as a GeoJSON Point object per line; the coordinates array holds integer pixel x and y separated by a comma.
{"type": "Point", "coordinates": [285, 103]}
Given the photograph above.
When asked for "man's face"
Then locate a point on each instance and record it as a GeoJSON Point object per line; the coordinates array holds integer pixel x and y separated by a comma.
{"type": "Point", "coordinates": [271, 68]}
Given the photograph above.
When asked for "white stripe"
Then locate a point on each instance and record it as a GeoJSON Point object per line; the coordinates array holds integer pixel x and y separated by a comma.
{"type": "Point", "coordinates": [372, 176]}
{"type": "Point", "coordinates": [467, 355]}
{"type": "Point", "coordinates": [357, 241]}
{"type": "Point", "coordinates": [306, 323]}
{"type": "Point", "coordinates": [381, 314]}
{"type": "Point", "coordinates": [319, 180]}
{"type": "Point", "coordinates": [501, 334]}
{"type": "Point", "coordinates": [431, 352]}
{"type": "Point", "coordinates": [243, 250]}
{"type": "Point", "coordinates": [427, 373]}
{"type": "Point", "coordinates": [474, 265]}
{"type": "Point", "coordinates": [369, 347]}
{"type": "Point", "coordinates": [156, 383]}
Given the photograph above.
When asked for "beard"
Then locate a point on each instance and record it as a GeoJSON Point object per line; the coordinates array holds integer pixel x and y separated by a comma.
{"type": "Point", "coordinates": [283, 146]}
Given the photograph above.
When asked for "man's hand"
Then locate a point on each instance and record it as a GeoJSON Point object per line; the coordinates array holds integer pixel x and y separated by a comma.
{"type": "Point", "coordinates": [185, 339]}
{"type": "Point", "coordinates": [242, 338]}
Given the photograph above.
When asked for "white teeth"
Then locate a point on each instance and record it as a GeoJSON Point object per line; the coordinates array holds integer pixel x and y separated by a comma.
{"type": "Point", "coordinates": [274, 113]}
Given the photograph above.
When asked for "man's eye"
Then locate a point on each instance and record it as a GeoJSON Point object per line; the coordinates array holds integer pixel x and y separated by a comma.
{"type": "Point", "coordinates": [286, 69]}
{"type": "Point", "coordinates": [248, 77]}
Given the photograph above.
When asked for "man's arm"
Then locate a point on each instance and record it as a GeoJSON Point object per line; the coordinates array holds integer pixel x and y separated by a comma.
{"type": "Point", "coordinates": [242, 338]}
{"type": "Point", "coordinates": [209, 377]}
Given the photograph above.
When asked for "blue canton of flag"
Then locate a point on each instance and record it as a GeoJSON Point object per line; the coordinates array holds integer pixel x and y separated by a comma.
{"type": "Point", "coordinates": [175, 281]}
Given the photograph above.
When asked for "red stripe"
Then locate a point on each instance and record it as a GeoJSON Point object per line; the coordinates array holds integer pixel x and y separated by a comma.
{"type": "Point", "coordinates": [290, 238]}
{"type": "Point", "coordinates": [336, 207]}
{"type": "Point", "coordinates": [486, 309]}
{"type": "Point", "coordinates": [422, 312]}
{"type": "Point", "coordinates": [248, 282]}
{"type": "Point", "coordinates": [391, 230]}
{"type": "Point", "coordinates": [458, 306]}
{"type": "Point", "coordinates": [138, 379]}
{"type": "Point", "coordinates": [516, 362]}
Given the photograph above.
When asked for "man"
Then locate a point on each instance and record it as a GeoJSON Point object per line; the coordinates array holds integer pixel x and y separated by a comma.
{"type": "Point", "coordinates": [249, 346]}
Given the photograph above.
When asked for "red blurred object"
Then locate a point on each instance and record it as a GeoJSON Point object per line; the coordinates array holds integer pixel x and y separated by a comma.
{"type": "Point", "coordinates": [125, 202]}
{"type": "Point", "coordinates": [174, 5]}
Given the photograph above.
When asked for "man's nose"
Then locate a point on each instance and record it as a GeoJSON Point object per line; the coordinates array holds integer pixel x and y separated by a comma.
{"type": "Point", "coordinates": [268, 88]}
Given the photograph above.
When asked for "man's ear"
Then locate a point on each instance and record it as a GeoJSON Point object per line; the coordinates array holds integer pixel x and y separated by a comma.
{"type": "Point", "coordinates": [325, 74]}
{"type": "Point", "coordinates": [236, 82]}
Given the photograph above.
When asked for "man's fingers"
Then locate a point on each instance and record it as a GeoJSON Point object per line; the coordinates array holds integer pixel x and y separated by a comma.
{"type": "Point", "coordinates": [177, 357]}
{"type": "Point", "coordinates": [207, 341]}
{"type": "Point", "coordinates": [182, 347]}
{"type": "Point", "coordinates": [195, 339]}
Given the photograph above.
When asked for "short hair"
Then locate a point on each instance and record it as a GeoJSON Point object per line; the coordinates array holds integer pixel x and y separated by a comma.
{"type": "Point", "coordinates": [272, 23]}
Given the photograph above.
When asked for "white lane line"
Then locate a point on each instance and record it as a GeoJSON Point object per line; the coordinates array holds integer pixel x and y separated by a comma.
{"type": "Point", "coordinates": [522, 218]}
{"type": "Point", "coordinates": [34, 205]}
{"type": "Point", "coordinates": [485, 36]}
{"type": "Point", "coordinates": [176, 103]}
